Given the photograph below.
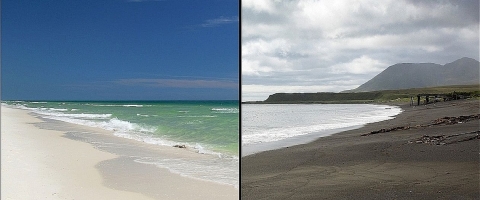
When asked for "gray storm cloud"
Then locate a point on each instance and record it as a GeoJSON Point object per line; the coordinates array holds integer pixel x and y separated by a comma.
{"type": "Point", "coordinates": [319, 46]}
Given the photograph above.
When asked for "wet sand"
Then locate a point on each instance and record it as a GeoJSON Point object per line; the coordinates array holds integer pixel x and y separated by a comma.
{"type": "Point", "coordinates": [48, 159]}
{"type": "Point", "coordinates": [400, 164]}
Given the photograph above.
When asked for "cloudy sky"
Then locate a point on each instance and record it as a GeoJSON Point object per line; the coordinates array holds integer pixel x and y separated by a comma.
{"type": "Point", "coordinates": [331, 46]}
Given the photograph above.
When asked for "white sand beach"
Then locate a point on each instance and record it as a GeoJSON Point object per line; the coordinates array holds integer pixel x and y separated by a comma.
{"type": "Point", "coordinates": [39, 163]}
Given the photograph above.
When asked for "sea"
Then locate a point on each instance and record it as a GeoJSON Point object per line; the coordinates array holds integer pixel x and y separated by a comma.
{"type": "Point", "coordinates": [206, 127]}
{"type": "Point", "coordinates": [273, 126]}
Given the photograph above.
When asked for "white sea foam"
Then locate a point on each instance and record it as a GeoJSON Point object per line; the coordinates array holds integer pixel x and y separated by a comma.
{"type": "Point", "coordinates": [76, 116]}
{"type": "Point", "coordinates": [200, 149]}
{"type": "Point", "coordinates": [271, 123]}
{"type": "Point", "coordinates": [22, 106]}
{"type": "Point", "coordinates": [132, 105]}
{"type": "Point", "coordinates": [58, 113]}
{"type": "Point", "coordinates": [118, 105]}
{"type": "Point", "coordinates": [149, 139]}
{"type": "Point", "coordinates": [225, 110]}
{"type": "Point", "coordinates": [194, 122]}
{"type": "Point", "coordinates": [104, 121]}
{"type": "Point", "coordinates": [223, 171]}
{"type": "Point", "coordinates": [198, 116]}
{"type": "Point", "coordinates": [58, 109]}
{"type": "Point", "coordinates": [120, 128]}
{"type": "Point", "coordinates": [221, 168]}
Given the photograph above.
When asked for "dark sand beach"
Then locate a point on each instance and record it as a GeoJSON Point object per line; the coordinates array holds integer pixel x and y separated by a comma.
{"type": "Point", "coordinates": [432, 158]}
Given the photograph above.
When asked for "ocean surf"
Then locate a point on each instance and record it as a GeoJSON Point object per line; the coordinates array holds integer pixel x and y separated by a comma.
{"type": "Point", "coordinates": [204, 127]}
{"type": "Point", "coordinates": [272, 126]}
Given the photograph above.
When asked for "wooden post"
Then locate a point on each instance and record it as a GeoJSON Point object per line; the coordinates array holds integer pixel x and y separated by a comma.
{"type": "Point", "coordinates": [418, 100]}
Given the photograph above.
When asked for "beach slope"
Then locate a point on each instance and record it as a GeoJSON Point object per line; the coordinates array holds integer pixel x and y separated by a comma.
{"type": "Point", "coordinates": [55, 160]}
{"type": "Point", "coordinates": [418, 155]}
{"type": "Point", "coordinates": [40, 164]}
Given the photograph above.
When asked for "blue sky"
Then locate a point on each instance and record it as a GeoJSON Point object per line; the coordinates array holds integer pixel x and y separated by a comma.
{"type": "Point", "coordinates": [120, 50]}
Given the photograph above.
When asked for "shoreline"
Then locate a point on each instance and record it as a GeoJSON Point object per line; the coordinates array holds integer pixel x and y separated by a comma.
{"type": "Point", "coordinates": [251, 149]}
{"type": "Point", "coordinates": [62, 154]}
{"type": "Point", "coordinates": [390, 165]}
{"type": "Point", "coordinates": [292, 141]}
{"type": "Point", "coordinates": [125, 127]}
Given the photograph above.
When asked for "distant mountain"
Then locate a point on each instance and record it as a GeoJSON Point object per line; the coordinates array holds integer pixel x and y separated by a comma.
{"type": "Point", "coordinates": [464, 71]}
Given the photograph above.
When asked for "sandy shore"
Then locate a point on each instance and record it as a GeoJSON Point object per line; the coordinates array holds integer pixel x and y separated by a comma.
{"type": "Point", "coordinates": [400, 164]}
{"type": "Point", "coordinates": [44, 159]}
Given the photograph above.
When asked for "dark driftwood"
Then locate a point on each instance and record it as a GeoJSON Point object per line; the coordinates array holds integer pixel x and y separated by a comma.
{"type": "Point", "coordinates": [180, 146]}
{"type": "Point", "coordinates": [439, 121]}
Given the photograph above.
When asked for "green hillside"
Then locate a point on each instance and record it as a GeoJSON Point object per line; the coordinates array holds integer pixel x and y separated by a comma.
{"type": "Point", "coordinates": [384, 96]}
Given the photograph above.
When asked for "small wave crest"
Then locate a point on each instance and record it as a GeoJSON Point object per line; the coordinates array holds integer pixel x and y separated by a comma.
{"type": "Point", "coordinates": [120, 127]}
{"type": "Point", "coordinates": [224, 171]}
{"type": "Point", "coordinates": [256, 135]}
{"type": "Point", "coordinates": [58, 109]}
{"type": "Point", "coordinates": [133, 106]}
{"type": "Point", "coordinates": [276, 134]}
{"type": "Point", "coordinates": [198, 116]}
{"type": "Point", "coordinates": [119, 105]}
{"type": "Point", "coordinates": [77, 116]}
{"type": "Point", "coordinates": [225, 110]}
{"type": "Point", "coordinates": [38, 102]}
{"type": "Point", "coordinates": [104, 121]}
{"type": "Point", "coordinates": [117, 125]}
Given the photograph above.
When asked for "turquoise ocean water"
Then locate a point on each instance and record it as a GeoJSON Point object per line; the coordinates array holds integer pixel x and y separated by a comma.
{"type": "Point", "coordinates": [208, 127]}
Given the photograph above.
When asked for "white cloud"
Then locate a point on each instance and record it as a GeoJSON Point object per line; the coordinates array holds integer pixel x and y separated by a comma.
{"type": "Point", "coordinates": [311, 43]}
{"type": "Point", "coordinates": [259, 6]}
{"type": "Point", "coordinates": [178, 83]}
{"type": "Point", "coordinates": [254, 68]}
{"type": "Point", "coordinates": [219, 21]}
{"type": "Point", "coordinates": [362, 65]}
